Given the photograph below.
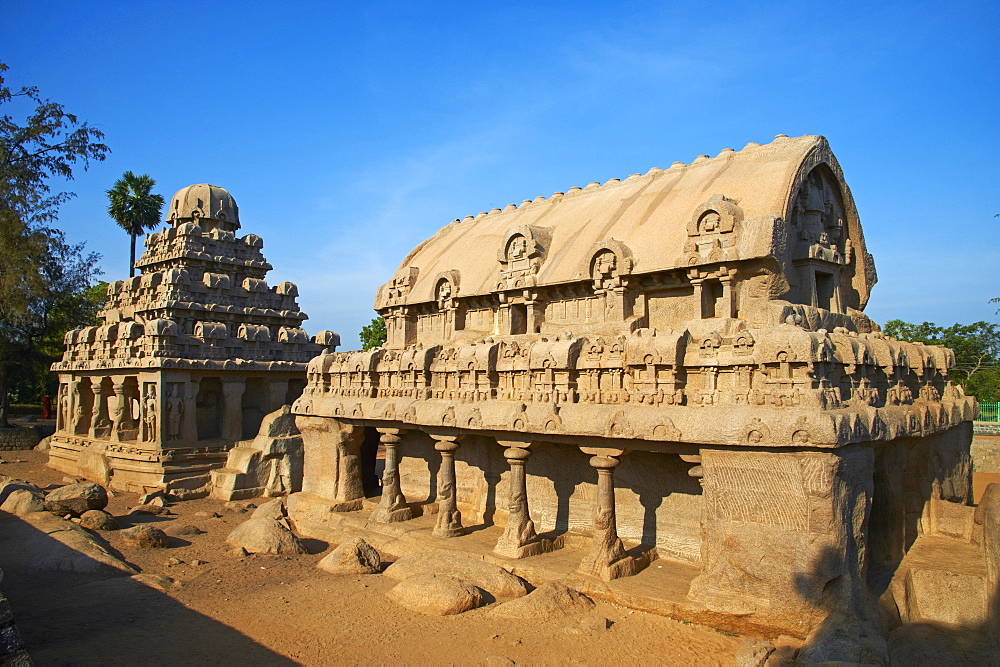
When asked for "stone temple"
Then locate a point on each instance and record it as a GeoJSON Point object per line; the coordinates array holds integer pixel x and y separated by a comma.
{"type": "Point", "coordinates": [671, 368]}
{"type": "Point", "coordinates": [192, 354]}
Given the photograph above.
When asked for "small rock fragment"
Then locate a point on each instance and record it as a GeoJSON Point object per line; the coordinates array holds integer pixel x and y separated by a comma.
{"type": "Point", "coordinates": [99, 520]}
{"type": "Point", "coordinates": [588, 625]}
{"type": "Point", "coordinates": [154, 498]}
{"type": "Point", "coordinates": [499, 661]}
{"type": "Point", "coordinates": [753, 652]}
{"type": "Point", "coordinates": [353, 557]}
{"type": "Point", "coordinates": [155, 510]}
{"type": "Point", "coordinates": [157, 581]}
{"type": "Point", "coordinates": [197, 562]}
{"type": "Point", "coordinates": [208, 515]}
{"type": "Point", "coordinates": [145, 537]}
{"type": "Point", "coordinates": [174, 561]}
{"type": "Point", "coordinates": [189, 530]}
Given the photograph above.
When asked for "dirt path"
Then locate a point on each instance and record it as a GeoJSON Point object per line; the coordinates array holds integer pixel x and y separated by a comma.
{"type": "Point", "coordinates": [282, 610]}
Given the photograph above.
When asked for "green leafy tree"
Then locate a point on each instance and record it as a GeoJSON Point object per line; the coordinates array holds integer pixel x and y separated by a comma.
{"type": "Point", "coordinates": [41, 274]}
{"type": "Point", "coordinates": [977, 352]}
{"type": "Point", "coordinates": [134, 206]}
{"type": "Point", "coordinates": [374, 334]}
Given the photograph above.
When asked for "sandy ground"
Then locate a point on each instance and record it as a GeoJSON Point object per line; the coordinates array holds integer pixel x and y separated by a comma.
{"type": "Point", "coordinates": [264, 610]}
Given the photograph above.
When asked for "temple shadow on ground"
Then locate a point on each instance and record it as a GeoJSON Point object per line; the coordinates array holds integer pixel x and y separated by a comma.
{"type": "Point", "coordinates": [76, 618]}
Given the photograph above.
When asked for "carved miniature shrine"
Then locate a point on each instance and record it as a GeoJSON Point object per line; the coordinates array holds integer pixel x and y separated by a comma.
{"type": "Point", "coordinates": [191, 355]}
{"type": "Point", "coordinates": [672, 366]}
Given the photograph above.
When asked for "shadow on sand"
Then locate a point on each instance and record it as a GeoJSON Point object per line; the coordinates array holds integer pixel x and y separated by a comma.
{"type": "Point", "coordinates": [96, 615]}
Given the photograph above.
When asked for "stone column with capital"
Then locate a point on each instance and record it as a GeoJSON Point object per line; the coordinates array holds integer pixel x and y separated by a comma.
{"type": "Point", "coordinates": [449, 519]}
{"type": "Point", "coordinates": [519, 538]}
{"type": "Point", "coordinates": [392, 507]}
{"type": "Point", "coordinates": [607, 558]}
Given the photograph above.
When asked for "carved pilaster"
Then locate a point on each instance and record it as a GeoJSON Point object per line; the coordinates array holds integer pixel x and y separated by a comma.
{"type": "Point", "coordinates": [449, 519]}
{"type": "Point", "coordinates": [607, 558]}
{"type": "Point", "coordinates": [392, 507]}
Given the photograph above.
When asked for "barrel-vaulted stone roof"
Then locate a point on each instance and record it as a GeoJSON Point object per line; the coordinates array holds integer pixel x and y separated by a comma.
{"type": "Point", "coordinates": [650, 214]}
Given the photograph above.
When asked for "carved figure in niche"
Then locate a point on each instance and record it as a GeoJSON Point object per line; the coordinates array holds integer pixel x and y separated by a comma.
{"type": "Point", "coordinates": [604, 267]}
{"type": "Point", "coordinates": [175, 412]}
{"type": "Point", "coordinates": [149, 408]}
{"type": "Point", "coordinates": [63, 415]}
{"type": "Point", "coordinates": [517, 248]}
{"type": "Point", "coordinates": [444, 293]}
{"type": "Point", "coordinates": [709, 222]}
{"type": "Point", "coordinates": [81, 413]}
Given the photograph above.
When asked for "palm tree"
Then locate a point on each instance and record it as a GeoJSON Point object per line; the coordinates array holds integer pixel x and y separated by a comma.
{"type": "Point", "coordinates": [134, 207]}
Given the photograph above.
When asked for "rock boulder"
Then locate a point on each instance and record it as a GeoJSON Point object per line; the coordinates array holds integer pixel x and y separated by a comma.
{"type": "Point", "coordinates": [99, 520]}
{"type": "Point", "coordinates": [23, 501]}
{"type": "Point", "coordinates": [496, 581]}
{"type": "Point", "coordinates": [436, 595]}
{"type": "Point", "coordinates": [265, 536]}
{"type": "Point", "coordinates": [145, 537]}
{"type": "Point", "coordinates": [353, 557]}
{"type": "Point", "coordinates": [76, 499]}
{"type": "Point", "coordinates": [548, 600]}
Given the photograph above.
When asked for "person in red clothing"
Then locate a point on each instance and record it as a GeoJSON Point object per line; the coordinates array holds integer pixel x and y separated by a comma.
{"type": "Point", "coordinates": [46, 407]}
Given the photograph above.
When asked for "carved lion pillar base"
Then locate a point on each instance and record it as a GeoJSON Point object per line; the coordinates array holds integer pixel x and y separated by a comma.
{"type": "Point", "coordinates": [392, 507]}
{"type": "Point", "coordinates": [607, 558]}
{"type": "Point", "coordinates": [449, 519]}
{"type": "Point", "coordinates": [519, 539]}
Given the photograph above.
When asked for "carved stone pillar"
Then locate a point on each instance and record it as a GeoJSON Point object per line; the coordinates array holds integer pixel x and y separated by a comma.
{"type": "Point", "coordinates": [699, 295]}
{"type": "Point", "coordinates": [232, 410]}
{"type": "Point", "coordinates": [449, 519]}
{"type": "Point", "coordinates": [519, 538]}
{"type": "Point", "coordinates": [120, 412]}
{"type": "Point", "coordinates": [607, 558]}
{"type": "Point", "coordinates": [392, 507]}
{"type": "Point", "coordinates": [728, 297]}
{"type": "Point", "coordinates": [99, 411]}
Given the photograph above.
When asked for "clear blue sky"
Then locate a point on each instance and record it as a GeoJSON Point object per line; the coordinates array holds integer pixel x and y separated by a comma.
{"type": "Point", "coordinates": [349, 132]}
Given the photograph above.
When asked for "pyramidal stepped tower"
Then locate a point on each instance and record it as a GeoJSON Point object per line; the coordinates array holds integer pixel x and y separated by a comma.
{"type": "Point", "coordinates": [191, 355]}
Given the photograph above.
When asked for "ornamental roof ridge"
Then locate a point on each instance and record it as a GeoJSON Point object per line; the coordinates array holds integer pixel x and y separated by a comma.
{"type": "Point", "coordinates": [725, 153]}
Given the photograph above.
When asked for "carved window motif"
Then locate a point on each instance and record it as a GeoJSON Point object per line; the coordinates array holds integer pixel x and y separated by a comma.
{"type": "Point", "coordinates": [711, 299]}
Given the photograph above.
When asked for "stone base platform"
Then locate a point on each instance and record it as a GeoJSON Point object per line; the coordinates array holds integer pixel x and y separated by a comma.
{"type": "Point", "coordinates": [660, 588]}
{"type": "Point", "coordinates": [128, 466]}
